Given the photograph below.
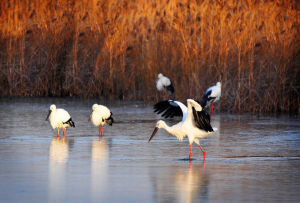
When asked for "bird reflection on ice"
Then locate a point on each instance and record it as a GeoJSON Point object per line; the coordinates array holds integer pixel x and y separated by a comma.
{"type": "Point", "coordinates": [58, 157]}
{"type": "Point", "coordinates": [99, 170]}
{"type": "Point", "coordinates": [181, 184]}
{"type": "Point", "coordinates": [192, 184]}
{"type": "Point", "coordinates": [59, 150]}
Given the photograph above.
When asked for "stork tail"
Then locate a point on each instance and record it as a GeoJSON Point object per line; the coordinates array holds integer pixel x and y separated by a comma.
{"type": "Point", "coordinates": [110, 120]}
{"type": "Point", "coordinates": [70, 122]}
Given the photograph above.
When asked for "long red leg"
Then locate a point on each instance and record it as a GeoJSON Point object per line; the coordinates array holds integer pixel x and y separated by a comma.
{"type": "Point", "coordinates": [190, 156]}
{"type": "Point", "coordinates": [64, 132]}
{"type": "Point", "coordinates": [212, 110]}
{"type": "Point", "coordinates": [101, 132]}
{"type": "Point", "coordinates": [57, 132]}
{"type": "Point", "coordinates": [204, 153]}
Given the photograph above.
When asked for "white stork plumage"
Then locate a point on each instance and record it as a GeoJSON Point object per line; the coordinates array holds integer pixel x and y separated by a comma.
{"type": "Point", "coordinates": [59, 118]}
{"type": "Point", "coordinates": [195, 122]}
{"type": "Point", "coordinates": [211, 95]}
{"type": "Point", "coordinates": [163, 82]}
{"type": "Point", "coordinates": [100, 116]}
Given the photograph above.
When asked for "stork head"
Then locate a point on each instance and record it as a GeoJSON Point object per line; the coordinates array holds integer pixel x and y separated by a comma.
{"type": "Point", "coordinates": [218, 84]}
{"type": "Point", "coordinates": [160, 75]}
{"type": "Point", "coordinates": [94, 107]}
{"type": "Point", "coordinates": [52, 108]}
{"type": "Point", "coordinates": [159, 124]}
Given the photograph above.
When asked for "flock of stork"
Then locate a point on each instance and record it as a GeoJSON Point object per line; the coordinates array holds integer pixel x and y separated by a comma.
{"type": "Point", "coordinates": [195, 121]}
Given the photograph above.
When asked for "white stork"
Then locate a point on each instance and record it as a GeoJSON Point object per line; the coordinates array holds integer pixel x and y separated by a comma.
{"type": "Point", "coordinates": [100, 116]}
{"type": "Point", "coordinates": [210, 96]}
{"type": "Point", "coordinates": [195, 122]}
{"type": "Point", "coordinates": [163, 82]}
{"type": "Point", "coordinates": [60, 118]}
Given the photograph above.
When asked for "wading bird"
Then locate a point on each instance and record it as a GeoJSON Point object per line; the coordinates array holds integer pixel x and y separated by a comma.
{"type": "Point", "coordinates": [59, 118]}
{"type": "Point", "coordinates": [210, 96]}
{"type": "Point", "coordinates": [163, 82]}
{"type": "Point", "coordinates": [195, 122]}
{"type": "Point", "coordinates": [100, 116]}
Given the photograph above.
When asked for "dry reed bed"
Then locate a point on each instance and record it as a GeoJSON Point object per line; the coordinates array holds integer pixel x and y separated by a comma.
{"type": "Point", "coordinates": [114, 50]}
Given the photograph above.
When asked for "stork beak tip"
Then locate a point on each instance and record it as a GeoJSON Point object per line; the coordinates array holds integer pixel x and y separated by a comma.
{"type": "Point", "coordinates": [153, 134]}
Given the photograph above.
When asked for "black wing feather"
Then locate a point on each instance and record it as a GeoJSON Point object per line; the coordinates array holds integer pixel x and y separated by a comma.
{"type": "Point", "coordinates": [70, 122]}
{"type": "Point", "coordinates": [169, 109]}
{"type": "Point", "coordinates": [207, 100]}
{"type": "Point", "coordinates": [110, 119]}
{"type": "Point", "coordinates": [207, 93]}
{"type": "Point", "coordinates": [170, 89]}
{"type": "Point", "coordinates": [202, 120]}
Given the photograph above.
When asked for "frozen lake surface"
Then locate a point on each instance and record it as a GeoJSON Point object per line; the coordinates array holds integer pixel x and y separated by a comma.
{"type": "Point", "coordinates": [249, 158]}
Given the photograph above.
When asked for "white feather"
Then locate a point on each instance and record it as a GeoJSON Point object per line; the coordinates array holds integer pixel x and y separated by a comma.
{"type": "Point", "coordinates": [215, 91]}
{"type": "Point", "coordinates": [100, 114]}
{"type": "Point", "coordinates": [58, 117]}
{"type": "Point", "coordinates": [162, 82]}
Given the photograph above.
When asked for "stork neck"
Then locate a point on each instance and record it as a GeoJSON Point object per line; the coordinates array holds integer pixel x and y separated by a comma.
{"type": "Point", "coordinates": [168, 128]}
{"type": "Point", "coordinates": [189, 110]}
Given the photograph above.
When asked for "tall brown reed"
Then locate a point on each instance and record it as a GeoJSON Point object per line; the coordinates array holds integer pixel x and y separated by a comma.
{"type": "Point", "coordinates": [115, 49]}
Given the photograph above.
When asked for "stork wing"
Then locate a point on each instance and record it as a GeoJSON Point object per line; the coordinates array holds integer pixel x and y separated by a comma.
{"type": "Point", "coordinates": [64, 116]}
{"type": "Point", "coordinates": [170, 108]}
{"type": "Point", "coordinates": [207, 99]}
{"type": "Point", "coordinates": [202, 120]}
{"type": "Point", "coordinates": [201, 117]}
{"type": "Point", "coordinates": [208, 92]}
{"type": "Point", "coordinates": [170, 88]}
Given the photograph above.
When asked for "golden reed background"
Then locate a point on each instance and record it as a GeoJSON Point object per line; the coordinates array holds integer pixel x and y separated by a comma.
{"type": "Point", "coordinates": [114, 49]}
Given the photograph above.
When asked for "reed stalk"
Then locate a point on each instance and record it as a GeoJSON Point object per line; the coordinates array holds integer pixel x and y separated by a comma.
{"type": "Point", "coordinates": [115, 49]}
